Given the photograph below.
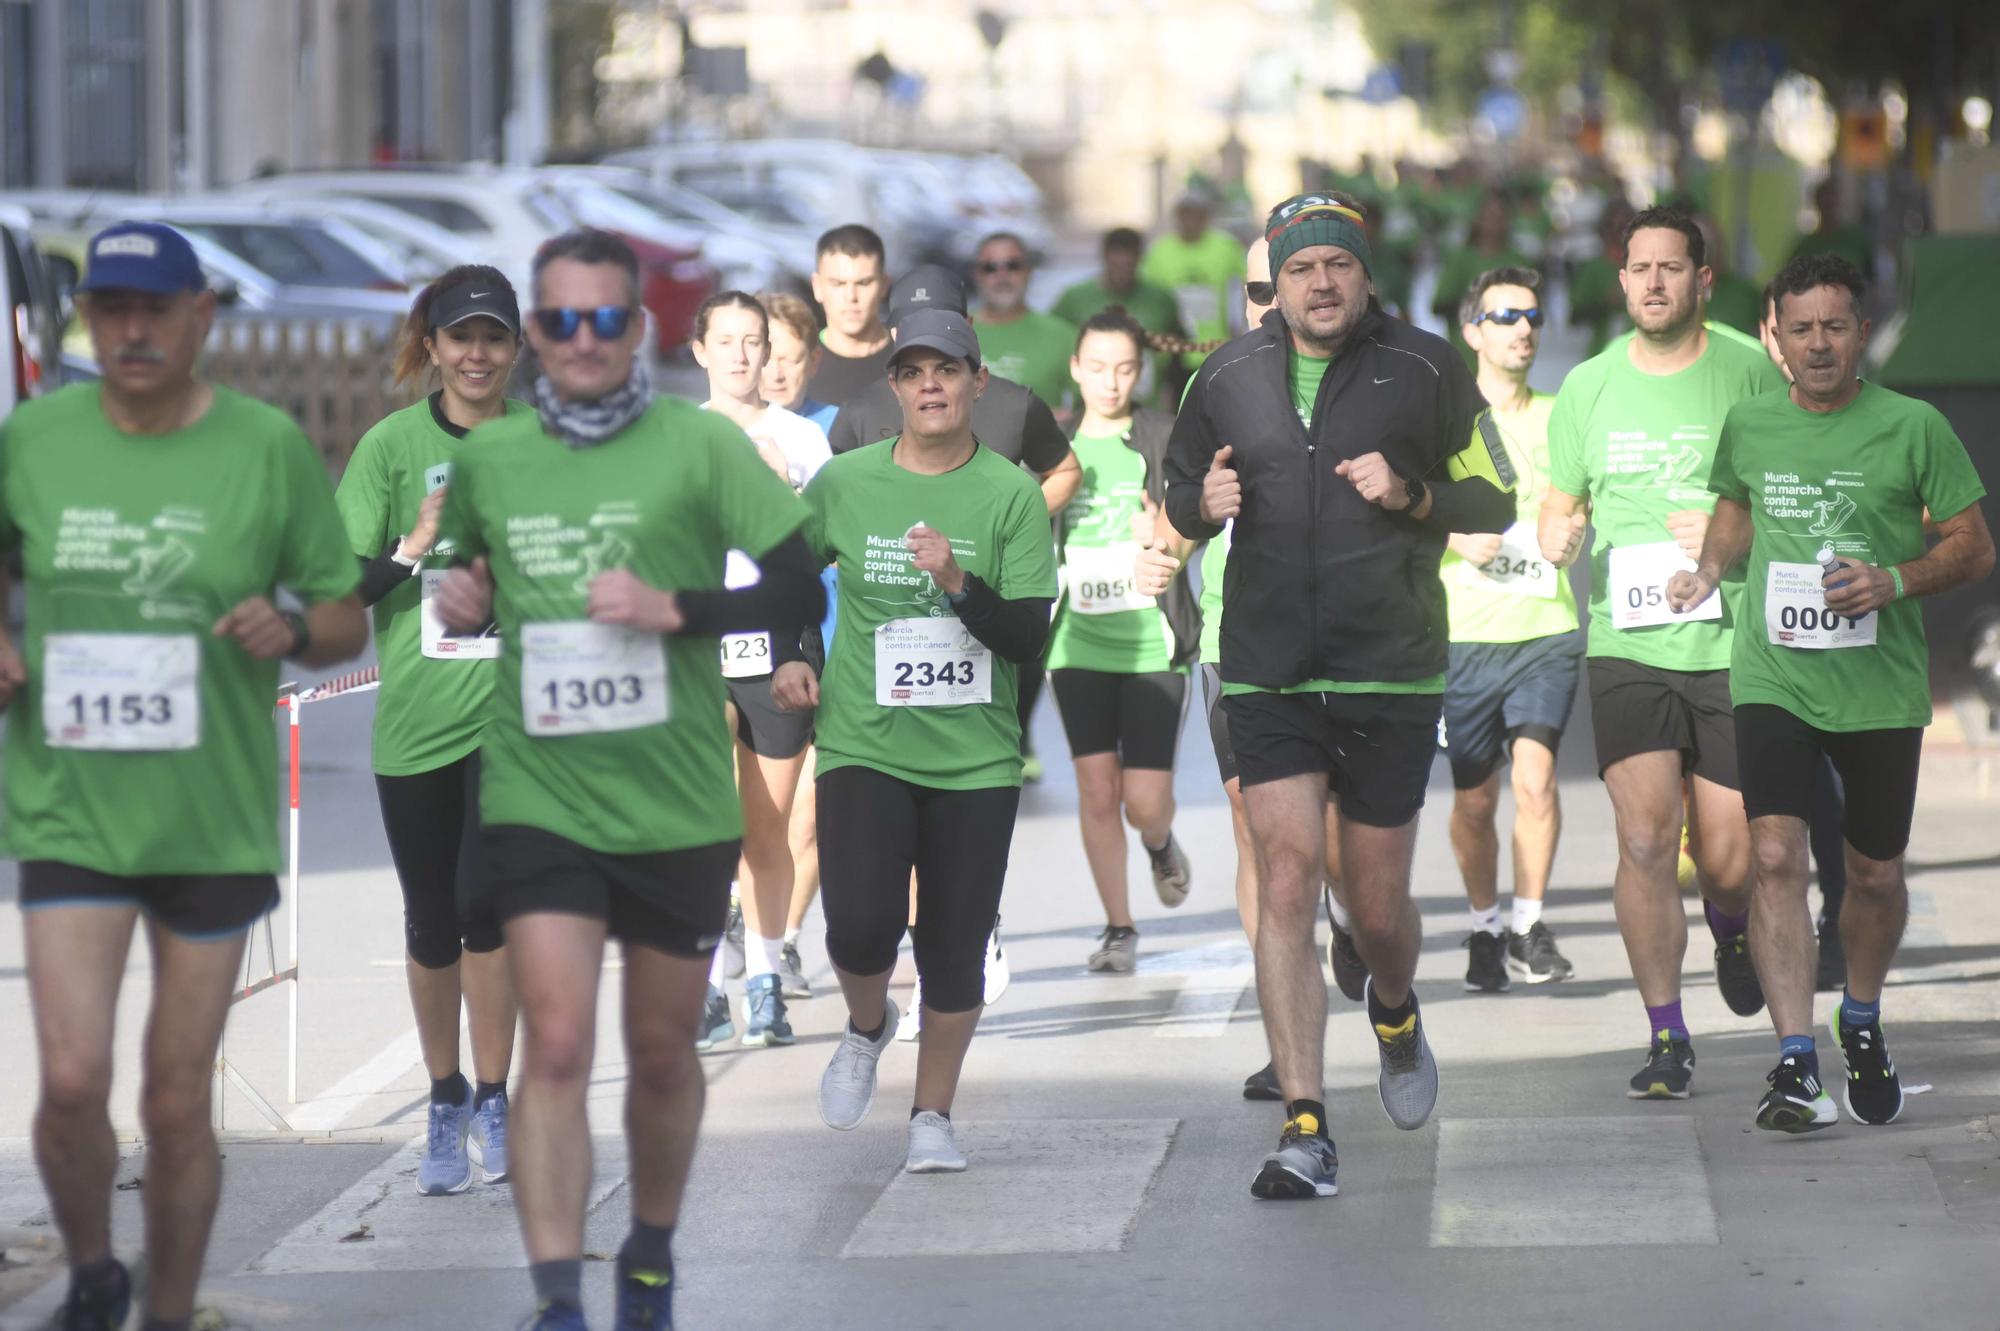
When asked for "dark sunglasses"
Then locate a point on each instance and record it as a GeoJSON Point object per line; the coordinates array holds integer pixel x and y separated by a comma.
{"type": "Point", "coordinates": [1260, 293]}
{"type": "Point", "coordinates": [1508, 318]}
{"type": "Point", "coordinates": [608, 322]}
{"type": "Point", "coordinates": [989, 267]}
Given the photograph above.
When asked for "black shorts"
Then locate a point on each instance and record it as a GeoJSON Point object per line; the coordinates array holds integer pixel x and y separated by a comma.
{"type": "Point", "coordinates": [1218, 722]}
{"type": "Point", "coordinates": [1498, 692]}
{"type": "Point", "coordinates": [1639, 709]}
{"type": "Point", "coordinates": [1137, 717]}
{"type": "Point", "coordinates": [1375, 748]}
{"type": "Point", "coordinates": [1878, 770]}
{"type": "Point", "coordinates": [674, 901]}
{"type": "Point", "coordinates": [769, 731]}
{"type": "Point", "coordinates": [197, 906]}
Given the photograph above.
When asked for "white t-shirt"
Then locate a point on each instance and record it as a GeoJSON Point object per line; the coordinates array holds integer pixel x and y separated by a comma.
{"type": "Point", "coordinates": [805, 451]}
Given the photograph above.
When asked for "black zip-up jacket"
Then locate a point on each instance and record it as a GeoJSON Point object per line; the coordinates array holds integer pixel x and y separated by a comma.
{"type": "Point", "coordinates": [1322, 584]}
{"type": "Point", "coordinates": [1148, 436]}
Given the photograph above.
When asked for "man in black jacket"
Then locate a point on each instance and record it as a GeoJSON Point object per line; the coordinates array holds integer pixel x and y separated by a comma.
{"type": "Point", "coordinates": [1344, 444]}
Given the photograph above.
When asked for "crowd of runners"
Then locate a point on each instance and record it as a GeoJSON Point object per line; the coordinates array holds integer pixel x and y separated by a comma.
{"type": "Point", "coordinates": [616, 630]}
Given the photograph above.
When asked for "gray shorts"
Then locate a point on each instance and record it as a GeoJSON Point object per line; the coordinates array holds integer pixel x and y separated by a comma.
{"type": "Point", "coordinates": [1497, 692]}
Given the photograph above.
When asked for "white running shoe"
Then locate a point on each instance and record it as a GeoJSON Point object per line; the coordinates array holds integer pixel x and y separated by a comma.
{"type": "Point", "coordinates": [933, 1148]}
{"type": "Point", "coordinates": [998, 973]}
{"type": "Point", "coordinates": [847, 1087]}
{"type": "Point", "coordinates": [913, 1020]}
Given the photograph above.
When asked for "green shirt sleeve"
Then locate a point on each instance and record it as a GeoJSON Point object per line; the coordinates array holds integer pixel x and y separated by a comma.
{"type": "Point", "coordinates": [1027, 550]}
{"type": "Point", "coordinates": [459, 523]}
{"type": "Point", "coordinates": [754, 508]}
{"type": "Point", "coordinates": [363, 496]}
{"type": "Point", "coordinates": [1723, 479]}
{"type": "Point", "coordinates": [313, 558]}
{"type": "Point", "coordinates": [1946, 479]}
{"type": "Point", "coordinates": [1566, 449]}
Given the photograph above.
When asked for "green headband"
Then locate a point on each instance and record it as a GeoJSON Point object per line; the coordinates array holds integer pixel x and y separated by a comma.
{"type": "Point", "coordinates": [1316, 219]}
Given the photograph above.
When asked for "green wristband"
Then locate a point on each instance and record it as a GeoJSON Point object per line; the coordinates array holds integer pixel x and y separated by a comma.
{"type": "Point", "coordinates": [1897, 574]}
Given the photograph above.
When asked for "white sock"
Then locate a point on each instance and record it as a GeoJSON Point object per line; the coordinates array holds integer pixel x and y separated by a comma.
{"type": "Point", "coordinates": [792, 937]}
{"type": "Point", "coordinates": [718, 969]}
{"type": "Point", "coordinates": [760, 956]}
{"type": "Point", "coordinates": [1526, 914]}
{"type": "Point", "coordinates": [1339, 914]}
{"type": "Point", "coordinates": [1487, 920]}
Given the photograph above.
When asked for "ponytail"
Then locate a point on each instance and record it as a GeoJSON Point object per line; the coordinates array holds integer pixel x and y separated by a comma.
{"type": "Point", "coordinates": [413, 359]}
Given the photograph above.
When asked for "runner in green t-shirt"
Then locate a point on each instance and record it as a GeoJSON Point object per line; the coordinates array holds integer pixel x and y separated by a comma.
{"type": "Point", "coordinates": [1201, 266]}
{"type": "Point", "coordinates": [1630, 443]}
{"type": "Point", "coordinates": [154, 517]}
{"type": "Point", "coordinates": [1516, 651]}
{"type": "Point", "coordinates": [948, 573]}
{"type": "Point", "coordinates": [598, 531]}
{"type": "Point", "coordinates": [1150, 303]}
{"type": "Point", "coordinates": [1825, 488]}
{"type": "Point", "coordinates": [436, 687]}
{"type": "Point", "coordinates": [1016, 342]}
{"type": "Point", "coordinates": [1116, 665]}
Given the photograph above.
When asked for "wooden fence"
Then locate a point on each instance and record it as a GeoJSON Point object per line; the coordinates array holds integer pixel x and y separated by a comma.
{"type": "Point", "coordinates": [333, 378]}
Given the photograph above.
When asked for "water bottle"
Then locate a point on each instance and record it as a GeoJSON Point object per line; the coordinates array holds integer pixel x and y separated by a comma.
{"type": "Point", "coordinates": [1828, 563]}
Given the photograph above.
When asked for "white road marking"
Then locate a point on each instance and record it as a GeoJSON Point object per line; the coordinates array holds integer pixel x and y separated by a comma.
{"type": "Point", "coordinates": [1549, 1182]}
{"type": "Point", "coordinates": [1042, 1185]}
{"type": "Point", "coordinates": [1218, 973]}
{"type": "Point", "coordinates": [331, 1107]}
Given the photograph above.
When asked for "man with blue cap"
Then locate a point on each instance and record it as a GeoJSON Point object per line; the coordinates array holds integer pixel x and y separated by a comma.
{"type": "Point", "coordinates": [154, 517]}
{"type": "Point", "coordinates": [1342, 443]}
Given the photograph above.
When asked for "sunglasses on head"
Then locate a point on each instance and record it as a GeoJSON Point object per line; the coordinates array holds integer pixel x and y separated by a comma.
{"type": "Point", "coordinates": [988, 267]}
{"type": "Point", "coordinates": [1260, 293]}
{"type": "Point", "coordinates": [607, 322]}
{"type": "Point", "coordinates": [1508, 318]}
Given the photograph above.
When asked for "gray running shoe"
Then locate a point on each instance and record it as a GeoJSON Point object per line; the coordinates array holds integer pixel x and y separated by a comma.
{"type": "Point", "coordinates": [1533, 956]}
{"type": "Point", "coordinates": [716, 1023]}
{"type": "Point", "coordinates": [445, 1167]}
{"type": "Point", "coordinates": [487, 1142]}
{"type": "Point", "coordinates": [1304, 1165]}
{"type": "Point", "coordinates": [764, 1021]}
{"type": "Point", "coordinates": [792, 973]}
{"type": "Point", "coordinates": [933, 1147]}
{"type": "Point", "coordinates": [1171, 871]}
{"type": "Point", "coordinates": [1117, 950]}
{"type": "Point", "coordinates": [847, 1087]}
{"type": "Point", "coordinates": [1409, 1080]}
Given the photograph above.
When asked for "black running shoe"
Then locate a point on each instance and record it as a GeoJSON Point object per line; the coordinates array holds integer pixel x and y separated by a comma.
{"type": "Point", "coordinates": [1796, 1101]}
{"type": "Point", "coordinates": [1350, 972]}
{"type": "Point", "coordinates": [1304, 1165]}
{"type": "Point", "coordinates": [102, 1307]}
{"type": "Point", "coordinates": [1832, 976]}
{"type": "Point", "coordinates": [1263, 1084]}
{"type": "Point", "coordinates": [1486, 963]}
{"type": "Point", "coordinates": [1668, 1072]}
{"type": "Point", "coordinates": [1534, 958]}
{"type": "Point", "coordinates": [1736, 976]}
{"type": "Point", "coordinates": [1874, 1092]}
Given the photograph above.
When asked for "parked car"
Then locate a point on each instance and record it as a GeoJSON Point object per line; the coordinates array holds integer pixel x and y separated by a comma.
{"type": "Point", "coordinates": [794, 245]}
{"type": "Point", "coordinates": [623, 199]}
{"type": "Point", "coordinates": [31, 316]}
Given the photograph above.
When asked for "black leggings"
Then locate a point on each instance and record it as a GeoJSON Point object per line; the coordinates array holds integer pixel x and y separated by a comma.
{"type": "Point", "coordinates": [873, 829]}
{"type": "Point", "coordinates": [432, 819]}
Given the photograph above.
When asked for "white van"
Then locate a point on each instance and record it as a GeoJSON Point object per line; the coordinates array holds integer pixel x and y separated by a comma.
{"type": "Point", "coordinates": [31, 317]}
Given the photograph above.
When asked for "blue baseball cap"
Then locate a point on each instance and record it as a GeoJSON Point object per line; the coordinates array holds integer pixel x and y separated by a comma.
{"type": "Point", "coordinates": [142, 256]}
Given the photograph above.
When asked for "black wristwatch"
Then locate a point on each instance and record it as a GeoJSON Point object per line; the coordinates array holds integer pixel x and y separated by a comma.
{"type": "Point", "coordinates": [1414, 490]}
{"type": "Point", "coordinates": [301, 636]}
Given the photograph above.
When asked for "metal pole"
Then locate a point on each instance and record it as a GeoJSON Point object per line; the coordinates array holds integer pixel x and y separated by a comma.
{"type": "Point", "coordinates": [292, 921]}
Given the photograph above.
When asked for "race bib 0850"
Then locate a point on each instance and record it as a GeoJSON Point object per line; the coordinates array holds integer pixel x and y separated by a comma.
{"type": "Point", "coordinates": [930, 663]}
{"type": "Point", "coordinates": [1101, 579]}
{"type": "Point", "coordinates": [579, 678]}
{"type": "Point", "coordinates": [1638, 592]}
{"type": "Point", "coordinates": [123, 692]}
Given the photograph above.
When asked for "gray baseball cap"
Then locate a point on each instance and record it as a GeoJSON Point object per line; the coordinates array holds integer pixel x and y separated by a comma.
{"type": "Point", "coordinates": [939, 330]}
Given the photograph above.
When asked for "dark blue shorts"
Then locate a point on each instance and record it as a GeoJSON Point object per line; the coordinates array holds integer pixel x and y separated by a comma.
{"type": "Point", "coordinates": [1497, 692]}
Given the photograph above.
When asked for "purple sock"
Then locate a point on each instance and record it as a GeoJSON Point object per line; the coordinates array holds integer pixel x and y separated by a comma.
{"type": "Point", "coordinates": [1666, 1017]}
{"type": "Point", "coordinates": [1724, 927]}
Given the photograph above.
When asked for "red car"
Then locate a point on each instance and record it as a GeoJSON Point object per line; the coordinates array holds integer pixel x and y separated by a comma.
{"type": "Point", "coordinates": [673, 282]}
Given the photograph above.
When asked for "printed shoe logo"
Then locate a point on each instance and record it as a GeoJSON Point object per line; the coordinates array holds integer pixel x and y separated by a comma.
{"type": "Point", "coordinates": [1680, 465]}
{"type": "Point", "coordinates": [613, 551]}
{"type": "Point", "coordinates": [1833, 514]}
{"type": "Point", "coordinates": [160, 567]}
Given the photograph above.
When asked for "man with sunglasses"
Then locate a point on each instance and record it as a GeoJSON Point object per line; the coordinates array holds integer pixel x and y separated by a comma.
{"type": "Point", "coordinates": [1016, 342]}
{"type": "Point", "coordinates": [1342, 443]}
{"type": "Point", "coordinates": [1630, 443]}
{"type": "Point", "coordinates": [598, 528]}
{"type": "Point", "coordinates": [1515, 653]}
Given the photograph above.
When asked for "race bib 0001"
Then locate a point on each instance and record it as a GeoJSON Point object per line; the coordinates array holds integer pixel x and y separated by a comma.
{"type": "Point", "coordinates": [1102, 579]}
{"type": "Point", "coordinates": [121, 692]}
{"type": "Point", "coordinates": [1795, 613]}
{"type": "Point", "coordinates": [441, 643]}
{"type": "Point", "coordinates": [1638, 592]}
{"type": "Point", "coordinates": [930, 663]}
{"type": "Point", "coordinates": [579, 678]}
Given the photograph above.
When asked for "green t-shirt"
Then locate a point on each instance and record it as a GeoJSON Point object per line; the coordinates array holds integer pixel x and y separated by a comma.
{"type": "Point", "coordinates": [1497, 602]}
{"type": "Point", "coordinates": [1096, 547]}
{"type": "Point", "coordinates": [667, 498]}
{"type": "Point", "coordinates": [862, 503]}
{"type": "Point", "coordinates": [1857, 481]}
{"type": "Point", "coordinates": [1734, 301]}
{"type": "Point", "coordinates": [430, 709]}
{"type": "Point", "coordinates": [1214, 563]}
{"type": "Point", "coordinates": [1306, 374]}
{"type": "Point", "coordinates": [1151, 304]}
{"type": "Point", "coordinates": [1203, 275]}
{"type": "Point", "coordinates": [157, 536]}
{"type": "Point", "coordinates": [1638, 447]}
{"type": "Point", "coordinates": [1033, 350]}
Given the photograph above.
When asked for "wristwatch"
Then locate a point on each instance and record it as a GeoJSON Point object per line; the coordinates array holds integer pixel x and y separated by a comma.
{"type": "Point", "coordinates": [1414, 490]}
{"type": "Point", "coordinates": [301, 636]}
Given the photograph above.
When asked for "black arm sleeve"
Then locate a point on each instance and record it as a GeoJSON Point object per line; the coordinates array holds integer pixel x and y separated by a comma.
{"type": "Point", "coordinates": [382, 575]}
{"type": "Point", "coordinates": [1017, 630]}
{"type": "Point", "coordinates": [1044, 446]}
{"type": "Point", "coordinates": [845, 434]}
{"type": "Point", "coordinates": [1189, 451]}
{"type": "Point", "coordinates": [787, 593]}
{"type": "Point", "coordinates": [1471, 505]}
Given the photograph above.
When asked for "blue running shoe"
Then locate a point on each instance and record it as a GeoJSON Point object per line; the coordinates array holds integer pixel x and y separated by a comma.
{"type": "Point", "coordinates": [645, 1301]}
{"type": "Point", "coordinates": [764, 1021]}
{"type": "Point", "coordinates": [556, 1317]}
{"type": "Point", "coordinates": [488, 1140]}
{"type": "Point", "coordinates": [445, 1167]}
{"type": "Point", "coordinates": [716, 1023]}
